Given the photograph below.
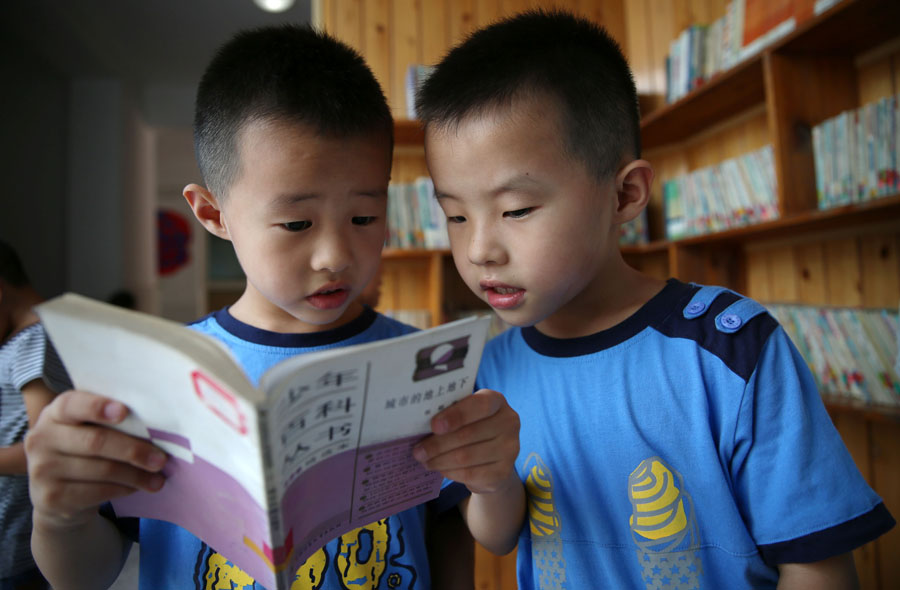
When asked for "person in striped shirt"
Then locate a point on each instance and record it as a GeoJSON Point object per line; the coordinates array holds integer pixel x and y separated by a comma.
{"type": "Point", "coordinates": [30, 374]}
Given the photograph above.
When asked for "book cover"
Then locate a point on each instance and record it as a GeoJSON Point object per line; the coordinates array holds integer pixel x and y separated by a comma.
{"type": "Point", "coordinates": [267, 475]}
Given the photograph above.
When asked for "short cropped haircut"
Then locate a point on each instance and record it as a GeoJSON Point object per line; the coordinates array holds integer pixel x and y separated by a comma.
{"type": "Point", "coordinates": [11, 269]}
{"type": "Point", "coordinates": [287, 73]}
{"type": "Point", "coordinates": [551, 54]}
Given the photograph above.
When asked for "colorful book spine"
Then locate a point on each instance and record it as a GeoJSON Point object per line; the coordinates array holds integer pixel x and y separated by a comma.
{"type": "Point", "coordinates": [851, 352]}
{"type": "Point", "coordinates": [855, 154]}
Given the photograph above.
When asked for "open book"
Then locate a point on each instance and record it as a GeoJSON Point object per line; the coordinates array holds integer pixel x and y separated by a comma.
{"type": "Point", "coordinates": [266, 476]}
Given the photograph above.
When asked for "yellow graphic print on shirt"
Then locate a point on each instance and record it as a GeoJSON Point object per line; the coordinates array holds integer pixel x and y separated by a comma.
{"type": "Point", "coordinates": [222, 575]}
{"type": "Point", "coordinates": [312, 573]}
{"type": "Point", "coordinates": [360, 564]}
{"type": "Point", "coordinates": [664, 527]}
{"type": "Point", "coordinates": [545, 525]}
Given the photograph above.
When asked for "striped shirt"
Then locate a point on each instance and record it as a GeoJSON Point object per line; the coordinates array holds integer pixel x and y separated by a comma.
{"type": "Point", "coordinates": [23, 358]}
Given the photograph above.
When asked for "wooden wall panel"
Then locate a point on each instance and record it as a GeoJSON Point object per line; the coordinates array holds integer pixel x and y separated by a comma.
{"type": "Point", "coordinates": [810, 266]}
{"type": "Point", "coordinates": [488, 11]}
{"type": "Point", "coordinates": [461, 18]}
{"type": "Point", "coordinates": [392, 34]}
{"type": "Point", "coordinates": [435, 30]}
{"type": "Point", "coordinates": [758, 283]}
{"type": "Point", "coordinates": [377, 40]}
{"type": "Point", "coordinates": [880, 275]}
{"type": "Point", "coordinates": [405, 49]}
{"type": "Point", "coordinates": [843, 272]}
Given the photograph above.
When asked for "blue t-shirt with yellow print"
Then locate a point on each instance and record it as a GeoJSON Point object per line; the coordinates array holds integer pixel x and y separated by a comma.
{"type": "Point", "coordinates": [685, 448]}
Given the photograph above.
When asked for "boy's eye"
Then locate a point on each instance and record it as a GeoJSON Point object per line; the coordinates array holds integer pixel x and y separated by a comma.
{"type": "Point", "coordinates": [364, 220]}
{"type": "Point", "coordinates": [518, 213]}
{"type": "Point", "coordinates": [297, 225]}
{"type": "Point", "coordinates": [455, 219]}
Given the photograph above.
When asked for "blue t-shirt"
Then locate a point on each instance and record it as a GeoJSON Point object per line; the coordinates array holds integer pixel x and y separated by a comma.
{"type": "Point", "coordinates": [386, 554]}
{"type": "Point", "coordinates": [685, 448]}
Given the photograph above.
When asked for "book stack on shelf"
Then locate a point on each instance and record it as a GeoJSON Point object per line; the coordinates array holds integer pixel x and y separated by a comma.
{"type": "Point", "coordinates": [736, 192]}
{"type": "Point", "coordinates": [748, 26]}
{"type": "Point", "coordinates": [852, 353]}
{"type": "Point", "coordinates": [856, 154]}
{"type": "Point", "coordinates": [415, 220]}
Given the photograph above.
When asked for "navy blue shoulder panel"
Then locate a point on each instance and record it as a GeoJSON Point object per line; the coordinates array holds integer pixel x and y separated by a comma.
{"type": "Point", "coordinates": [739, 349]}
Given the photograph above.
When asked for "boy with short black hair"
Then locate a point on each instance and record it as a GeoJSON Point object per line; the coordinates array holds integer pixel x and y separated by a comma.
{"type": "Point", "coordinates": [294, 138]}
{"type": "Point", "coordinates": [672, 436]}
{"type": "Point", "coordinates": [30, 375]}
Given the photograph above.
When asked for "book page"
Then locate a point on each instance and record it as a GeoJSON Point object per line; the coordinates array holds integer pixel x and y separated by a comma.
{"type": "Point", "coordinates": [188, 397]}
{"type": "Point", "coordinates": [342, 430]}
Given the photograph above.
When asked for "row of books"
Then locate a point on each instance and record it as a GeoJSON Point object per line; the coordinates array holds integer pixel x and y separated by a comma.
{"type": "Point", "coordinates": [856, 154]}
{"type": "Point", "coordinates": [748, 26]}
{"type": "Point", "coordinates": [415, 220]}
{"type": "Point", "coordinates": [852, 352]}
{"type": "Point", "coordinates": [736, 192]}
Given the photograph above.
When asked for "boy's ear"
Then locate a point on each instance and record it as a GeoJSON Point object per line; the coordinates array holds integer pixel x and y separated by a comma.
{"type": "Point", "coordinates": [633, 183]}
{"type": "Point", "coordinates": [206, 209]}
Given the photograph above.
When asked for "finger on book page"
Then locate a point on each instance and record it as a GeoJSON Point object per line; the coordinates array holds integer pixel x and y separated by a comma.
{"type": "Point", "coordinates": [482, 404]}
{"type": "Point", "coordinates": [75, 406]}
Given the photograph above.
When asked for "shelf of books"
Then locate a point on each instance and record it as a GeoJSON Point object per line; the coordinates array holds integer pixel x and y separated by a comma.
{"type": "Point", "coordinates": [852, 353]}
{"type": "Point", "coordinates": [724, 76]}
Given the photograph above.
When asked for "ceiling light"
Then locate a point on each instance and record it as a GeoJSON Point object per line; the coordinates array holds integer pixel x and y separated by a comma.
{"type": "Point", "coordinates": [274, 5]}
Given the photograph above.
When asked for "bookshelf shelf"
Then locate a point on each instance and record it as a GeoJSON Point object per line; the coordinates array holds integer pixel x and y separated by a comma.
{"type": "Point", "coordinates": [717, 100]}
{"type": "Point", "coordinates": [848, 29]}
{"type": "Point", "coordinates": [875, 211]}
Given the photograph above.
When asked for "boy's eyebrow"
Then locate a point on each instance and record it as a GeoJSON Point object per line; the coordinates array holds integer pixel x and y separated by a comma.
{"type": "Point", "coordinates": [518, 182]}
{"type": "Point", "coordinates": [288, 199]}
{"type": "Point", "coordinates": [291, 198]}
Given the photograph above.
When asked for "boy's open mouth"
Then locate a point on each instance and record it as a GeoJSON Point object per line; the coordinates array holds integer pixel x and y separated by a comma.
{"type": "Point", "coordinates": [502, 296]}
{"type": "Point", "coordinates": [329, 298]}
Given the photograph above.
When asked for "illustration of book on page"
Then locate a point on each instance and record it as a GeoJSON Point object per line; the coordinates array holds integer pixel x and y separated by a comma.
{"type": "Point", "coordinates": [266, 476]}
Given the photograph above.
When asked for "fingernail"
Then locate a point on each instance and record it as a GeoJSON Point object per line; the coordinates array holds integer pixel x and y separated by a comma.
{"type": "Point", "coordinates": [156, 483]}
{"type": "Point", "coordinates": [419, 454]}
{"type": "Point", "coordinates": [113, 411]}
{"type": "Point", "coordinates": [156, 460]}
{"type": "Point", "coordinates": [440, 426]}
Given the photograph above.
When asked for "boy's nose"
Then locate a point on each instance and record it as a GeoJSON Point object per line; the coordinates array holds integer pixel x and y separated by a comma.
{"type": "Point", "coordinates": [332, 252]}
{"type": "Point", "coordinates": [485, 247]}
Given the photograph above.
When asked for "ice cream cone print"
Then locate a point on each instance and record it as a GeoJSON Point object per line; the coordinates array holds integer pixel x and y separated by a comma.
{"type": "Point", "coordinates": [664, 527]}
{"type": "Point", "coordinates": [546, 542]}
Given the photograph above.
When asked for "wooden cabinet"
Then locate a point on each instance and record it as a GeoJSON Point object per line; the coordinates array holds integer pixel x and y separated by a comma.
{"type": "Point", "coordinates": [849, 256]}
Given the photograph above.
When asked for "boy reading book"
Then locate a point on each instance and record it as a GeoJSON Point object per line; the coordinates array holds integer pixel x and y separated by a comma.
{"type": "Point", "coordinates": [672, 436]}
{"type": "Point", "coordinates": [293, 137]}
